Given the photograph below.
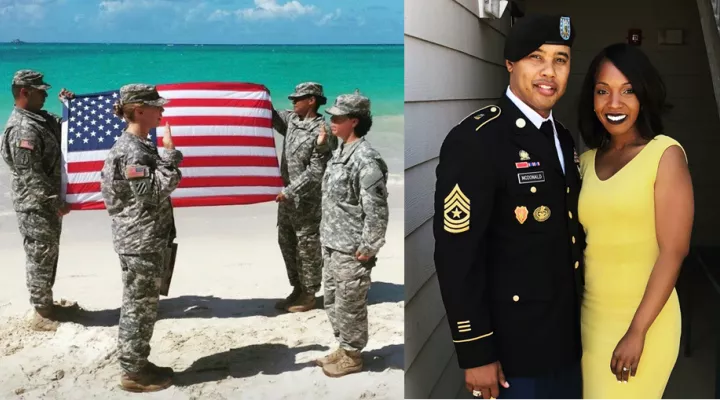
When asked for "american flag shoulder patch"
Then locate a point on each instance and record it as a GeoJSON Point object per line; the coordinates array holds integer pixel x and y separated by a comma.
{"type": "Point", "coordinates": [26, 144]}
{"type": "Point", "coordinates": [136, 171]}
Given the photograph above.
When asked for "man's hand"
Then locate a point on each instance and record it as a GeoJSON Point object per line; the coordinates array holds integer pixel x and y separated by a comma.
{"type": "Point", "coordinates": [485, 379]}
{"type": "Point", "coordinates": [280, 197]}
{"type": "Point", "coordinates": [65, 94]}
{"type": "Point", "coordinates": [64, 210]}
{"type": "Point", "coordinates": [361, 257]}
{"type": "Point", "coordinates": [322, 137]}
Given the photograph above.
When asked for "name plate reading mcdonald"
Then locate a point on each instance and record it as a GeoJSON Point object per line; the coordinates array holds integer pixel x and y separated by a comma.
{"type": "Point", "coordinates": [531, 177]}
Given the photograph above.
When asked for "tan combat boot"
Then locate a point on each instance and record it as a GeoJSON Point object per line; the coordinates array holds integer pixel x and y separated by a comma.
{"type": "Point", "coordinates": [49, 318]}
{"type": "Point", "coordinates": [283, 304]}
{"type": "Point", "coordinates": [304, 302]}
{"type": "Point", "coordinates": [150, 379]}
{"type": "Point", "coordinates": [42, 320]}
{"type": "Point", "coordinates": [330, 358]}
{"type": "Point", "coordinates": [349, 363]}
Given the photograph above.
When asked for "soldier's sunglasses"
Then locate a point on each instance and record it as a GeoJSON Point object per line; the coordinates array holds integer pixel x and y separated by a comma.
{"type": "Point", "coordinates": [296, 99]}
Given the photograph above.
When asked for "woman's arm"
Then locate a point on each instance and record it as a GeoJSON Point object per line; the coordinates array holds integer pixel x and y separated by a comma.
{"type": "Point", "coordinates": [674, 209]}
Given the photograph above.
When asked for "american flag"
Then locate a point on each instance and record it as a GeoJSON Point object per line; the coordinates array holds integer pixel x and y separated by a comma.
{"type": "Point", "coordinates": [224, 131]}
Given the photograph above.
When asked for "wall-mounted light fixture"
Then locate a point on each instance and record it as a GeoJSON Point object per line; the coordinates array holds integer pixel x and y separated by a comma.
{"type": "Point", "coordinates": [492, 8]}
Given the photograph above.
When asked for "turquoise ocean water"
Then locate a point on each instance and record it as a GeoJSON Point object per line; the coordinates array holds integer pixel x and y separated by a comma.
{"type": "Point", "coordinates": [85, 68]}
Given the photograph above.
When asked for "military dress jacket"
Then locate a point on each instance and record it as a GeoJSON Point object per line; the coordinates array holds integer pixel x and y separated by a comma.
{"type": "Point", "coordinates": [136, 184]}
{"type": "Point", "coordinates": [508, 245]}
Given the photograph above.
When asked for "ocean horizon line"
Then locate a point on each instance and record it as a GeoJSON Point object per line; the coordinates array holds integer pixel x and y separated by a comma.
{"type": "Point", "coordinates": [218, 44]}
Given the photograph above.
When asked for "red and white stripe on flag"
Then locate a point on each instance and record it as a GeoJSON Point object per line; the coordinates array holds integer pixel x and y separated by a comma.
{"type": "Point", "coordinates": [224, 131]}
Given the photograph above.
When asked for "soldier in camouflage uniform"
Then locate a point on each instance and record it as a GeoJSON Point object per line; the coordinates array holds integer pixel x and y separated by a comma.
{"type": "Point", "coordinates": [30, 146]}
{"type": "Point", "coordinates": [136, 185]}
{"type": "Point", "coordinates": [352, 231]}
{"type": "Point", "coordinates": [302, 166]}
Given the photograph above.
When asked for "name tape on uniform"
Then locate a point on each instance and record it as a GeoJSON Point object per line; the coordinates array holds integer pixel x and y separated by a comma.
{"type": "Point", "coordinates": [531, 177]}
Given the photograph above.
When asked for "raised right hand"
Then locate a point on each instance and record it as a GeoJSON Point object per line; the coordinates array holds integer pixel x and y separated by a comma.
{"type": "Point", "coordinates": [322, 137]}
{"type": "Point", "coordinates": [167, 138]}
{"type": "Point", "coordinates": [486, 379]}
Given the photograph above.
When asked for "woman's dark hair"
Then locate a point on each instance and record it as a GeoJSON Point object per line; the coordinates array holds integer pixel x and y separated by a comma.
{"type": "Point", "coordinates": [364, 124]}
{"type": "Point", "coordinates": [319, 101]}
{"type": "Point", "coordinates": [647, 85]}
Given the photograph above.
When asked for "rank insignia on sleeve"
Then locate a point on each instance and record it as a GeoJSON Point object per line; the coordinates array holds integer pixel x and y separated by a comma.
{"type": "Point", "coordinates": [456, 214]}
{"type": "Point", "coordinates": [463, 326]}
{"type": "Point", "coordinates": [26, 144]}
{"type": "Point", "coordinates": [136, 171]}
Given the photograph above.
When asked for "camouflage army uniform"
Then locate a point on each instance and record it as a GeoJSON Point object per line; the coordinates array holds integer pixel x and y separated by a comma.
{"type": "Point", "coordinates": [354, 220]}
{"type": "Point", "coordinates": [302, 166]}
{"type": "Point", "coordinates": [136, 185]}
{"type": "Point", "coordinates": [30, 146]}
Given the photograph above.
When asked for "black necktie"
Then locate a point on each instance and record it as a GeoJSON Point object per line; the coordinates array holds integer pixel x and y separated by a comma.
{"type": "Point", "coordinates": [547, 129]}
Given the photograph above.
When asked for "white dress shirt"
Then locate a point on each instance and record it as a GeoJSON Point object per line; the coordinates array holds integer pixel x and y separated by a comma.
{"type": "Point", "coordinates": [537, 120]}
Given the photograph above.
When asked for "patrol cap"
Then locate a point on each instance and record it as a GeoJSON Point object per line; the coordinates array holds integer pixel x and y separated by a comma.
{"type": "Point", "coordinates": [141, 93]}
{"type": "Point", "coordinates": [354, 103]}
{"type": "Point", "coordinates": [533, 31]}
{"type": "Point", "coordinates": [309, 89]}
{"type": "Point", "coordinates": [28, 77]}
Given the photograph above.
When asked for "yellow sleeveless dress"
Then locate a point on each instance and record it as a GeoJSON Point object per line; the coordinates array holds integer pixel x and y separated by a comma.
{"type": "Point", "coordinates": [618, 216]}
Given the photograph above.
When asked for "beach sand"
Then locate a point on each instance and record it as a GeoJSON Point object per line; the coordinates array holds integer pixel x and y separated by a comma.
{"type": "Point", "coordinates": [217, 328]}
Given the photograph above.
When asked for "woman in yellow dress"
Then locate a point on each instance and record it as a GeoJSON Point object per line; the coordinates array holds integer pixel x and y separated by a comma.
{"type": "Point", "coordinates": [636, 206]}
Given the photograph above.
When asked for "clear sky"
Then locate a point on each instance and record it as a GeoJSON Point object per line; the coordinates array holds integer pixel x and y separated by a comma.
{"type": "Point", "coordinates": [203, 21]}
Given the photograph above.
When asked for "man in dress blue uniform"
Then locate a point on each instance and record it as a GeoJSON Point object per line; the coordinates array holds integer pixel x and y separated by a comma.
{"type": "Point", "coordinates": [508, 246]}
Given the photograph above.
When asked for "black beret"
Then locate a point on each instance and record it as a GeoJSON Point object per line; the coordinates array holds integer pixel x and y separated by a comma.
{"type": "Point", "coordinates": [533, 31]}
